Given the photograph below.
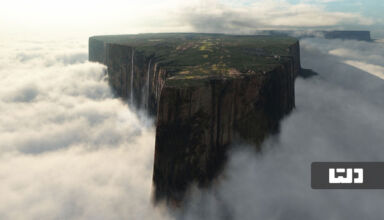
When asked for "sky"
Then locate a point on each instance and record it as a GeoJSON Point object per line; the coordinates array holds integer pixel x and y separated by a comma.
{"type": "Point", "coordinates": [117, 16]}
{"type": "Point", "coordinates": [69, 149]}
{"type": "Point", "coordinates": [370, 8]}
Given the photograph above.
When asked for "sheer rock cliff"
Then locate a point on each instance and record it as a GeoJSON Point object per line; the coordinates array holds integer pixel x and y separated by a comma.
{"type": "Point", "coordinates": [206, 91]}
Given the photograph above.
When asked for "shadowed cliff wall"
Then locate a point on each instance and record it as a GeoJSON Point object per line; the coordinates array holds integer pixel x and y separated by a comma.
{"type": "Point", "coordinates": [196, 123]}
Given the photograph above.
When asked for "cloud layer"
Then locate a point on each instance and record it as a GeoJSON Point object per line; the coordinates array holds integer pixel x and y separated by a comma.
{"type": "Point", "coordinates": [339, 117]}
{"type": "Point", "coordinates": [119, 17]}
{"type": "Point", "coordinates": [219, 17]}
{"type": "Point", "coordinates": [70, 150]}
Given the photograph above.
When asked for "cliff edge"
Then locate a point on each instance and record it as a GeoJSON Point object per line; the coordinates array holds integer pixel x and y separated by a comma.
{"type": "Point", "coordinates": [206, 90]}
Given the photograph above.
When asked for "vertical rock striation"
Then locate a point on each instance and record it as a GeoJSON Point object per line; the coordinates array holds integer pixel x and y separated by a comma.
{"type": "Point", "coordinates": [208, 118]}
{"type": "Point", "coordinates": [206, 91]}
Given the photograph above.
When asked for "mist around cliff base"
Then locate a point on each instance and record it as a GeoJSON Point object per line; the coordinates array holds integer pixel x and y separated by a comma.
{"type": "Point", "coordinates": [71, 150]}
{"type": "Point", "coordinates": [338, 117]}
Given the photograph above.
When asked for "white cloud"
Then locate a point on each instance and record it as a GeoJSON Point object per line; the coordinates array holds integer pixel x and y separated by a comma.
{"type": "Point", "coordinates": [362, 55]}
{"type": "Point", "coordinates": [70, 150]}
{"type": "Point", "coordinates": [338, 117]}
{"type": "Point", "coordinates": [375, 70]}
{"type": "Point", "coordinates": [322, 1]}
{"type": "Point", "coordinates": [117, 17]}
{"type": "Point", "coordinates": [220, 17]}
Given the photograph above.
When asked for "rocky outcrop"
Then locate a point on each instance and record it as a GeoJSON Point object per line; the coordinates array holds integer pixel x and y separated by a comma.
{"type": "Point", "coordinates": [342, 35]}
{"type": "Point", "coordinates": [206, 91]}
{"type": "Point", "coordinates": [307, 73]}
{"type": "Point", "coordinates": [348, 35]}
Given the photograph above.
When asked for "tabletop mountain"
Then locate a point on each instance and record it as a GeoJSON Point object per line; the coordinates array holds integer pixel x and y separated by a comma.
{"type": "Point", "coordinates": [206, 90]}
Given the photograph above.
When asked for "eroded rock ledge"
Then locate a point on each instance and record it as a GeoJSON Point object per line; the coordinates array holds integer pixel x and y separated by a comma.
{"type": "Point", "coordinates": [206, 91]}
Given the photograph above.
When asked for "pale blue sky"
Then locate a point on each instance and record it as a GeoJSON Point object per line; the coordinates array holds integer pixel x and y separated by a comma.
{"type": "Point", "coordinates": [131, 16]}
{"type": "Point", "coordinates": [369, 8]}
{"type": "Point", "coordinates": [372, 10]}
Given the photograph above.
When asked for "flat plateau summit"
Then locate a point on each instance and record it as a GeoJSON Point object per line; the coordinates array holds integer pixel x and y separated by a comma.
{"type": "Point", "coordinates": [206, 91]}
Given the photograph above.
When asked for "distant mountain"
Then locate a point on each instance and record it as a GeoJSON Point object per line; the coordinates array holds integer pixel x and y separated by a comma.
{"type": "Point", "coordinates": [343, 35]}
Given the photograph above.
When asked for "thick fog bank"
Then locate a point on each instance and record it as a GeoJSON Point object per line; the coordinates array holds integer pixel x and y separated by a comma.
{"type": "Point", "coordinates": [70, 150]}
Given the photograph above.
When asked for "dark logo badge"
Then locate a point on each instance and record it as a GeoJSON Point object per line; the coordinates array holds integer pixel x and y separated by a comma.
{"type": "Point", "coordinates": [347, 175]}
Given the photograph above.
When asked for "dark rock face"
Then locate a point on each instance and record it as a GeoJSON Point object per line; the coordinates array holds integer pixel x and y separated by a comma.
{"type": "Point", "coordinates": [342, 35]}
{"type": "Point", "coordinates": [307, 73]}
{"type": "Point", "coordinates": [348, 35]}
{"type": "Point", "coordinates": [207, 119]}
{"type": "Point", "coordinates": [128, 73]}
{"type": "Point", "coordinates": [198, 118]}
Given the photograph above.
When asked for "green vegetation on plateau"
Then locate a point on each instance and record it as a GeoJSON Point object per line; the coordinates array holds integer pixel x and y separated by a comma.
{"type": "Point", "coordinates": [193, 57]}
